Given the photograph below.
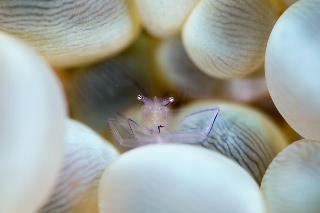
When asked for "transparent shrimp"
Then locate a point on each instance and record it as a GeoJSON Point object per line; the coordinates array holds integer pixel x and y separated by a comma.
{"type": "Point", "coordinates": [154, 126]}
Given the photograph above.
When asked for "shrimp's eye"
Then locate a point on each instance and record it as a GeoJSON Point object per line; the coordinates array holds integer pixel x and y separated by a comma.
{"type": "Point", "coordinates": [140, 97]}
{"type": "Point", "coordinates": [143, 99]}
{"type": "Point", "coordinates": [170, 99]}
{"type": "Point", "coordinates": [167, 101]}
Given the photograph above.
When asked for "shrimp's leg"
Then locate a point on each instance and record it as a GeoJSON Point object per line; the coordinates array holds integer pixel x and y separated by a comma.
{"type": "Point", "coordinates": [122, 120]}
{"type": "Point", "coordinates": [139, 131]}
{"type": "Point", "coordinates": [142, 134]}
{"type": "Point", "coordinates": [122, 133]}
{"type": "Point", "coordinates": [116, 127]}
{"type": "Point", "coordinates": [212, 116]}
{"type": "Point", "coordinates": [132, 124]}
{"type": "Point", "coordinates": [128, 134]}
{"type": "Point", "coordinates": [198, 123]}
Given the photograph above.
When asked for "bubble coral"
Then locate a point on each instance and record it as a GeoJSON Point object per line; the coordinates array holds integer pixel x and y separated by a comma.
{"type": "Point", "coordinates": [72, 33]}
{"type": "Point", "coordinates": [292, 67]}
{"type": "Point", "coordinates": [49, 163]}
{"type": "Point", "coordinates": [32, 125]}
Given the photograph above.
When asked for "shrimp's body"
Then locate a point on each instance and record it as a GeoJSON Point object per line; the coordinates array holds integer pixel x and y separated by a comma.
{"type": "Point", "coordinates": [154, 125]}
{"type": "Point", "coordinates": [155, 114]}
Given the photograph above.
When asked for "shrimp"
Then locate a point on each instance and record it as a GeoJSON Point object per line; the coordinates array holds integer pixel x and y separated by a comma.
{"type": "Point", "coordinates": [154, 127]}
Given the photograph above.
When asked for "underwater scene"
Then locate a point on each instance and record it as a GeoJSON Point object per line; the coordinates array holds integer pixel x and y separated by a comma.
{"type": "Point", "coordinates": [141, 106]}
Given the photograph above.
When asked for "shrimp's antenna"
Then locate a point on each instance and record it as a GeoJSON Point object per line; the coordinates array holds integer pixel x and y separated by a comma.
{"type": "Point", "coordinates": [143, 99]}
{"type": "Point", "coordinates": [133, 81]}
{"type": "Point", "coordinates": [167, 101]}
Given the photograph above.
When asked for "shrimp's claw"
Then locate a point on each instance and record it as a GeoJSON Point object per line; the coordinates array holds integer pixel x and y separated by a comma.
{"type": "Point", "coordinates": [127, 132]}
{"type": "Point", "coordinates": [121, 133]}
{"type": "Point", "coordinates": [196, 130]}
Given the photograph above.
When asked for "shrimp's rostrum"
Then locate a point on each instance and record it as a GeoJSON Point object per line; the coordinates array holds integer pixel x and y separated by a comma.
{"type": "Point", "coordinates": [155, 125]}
